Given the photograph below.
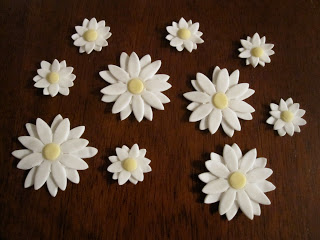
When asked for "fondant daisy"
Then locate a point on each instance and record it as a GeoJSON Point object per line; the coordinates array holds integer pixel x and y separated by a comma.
{"type": "Point", "coordinates": [92, 35]}
{"type": "Point", "coordinates": [54, 78]}
{"type": "Point", "coordinates": [184, 35]}
{"type": "Point", "coordinates": [129, 164]}
{"type": "Point", "coordinates": [135, 86]}
{"type": "Point", "coordinates": [256, 50]}
{"type": "Point", "coordinates": [220, 101]}
{"type": "Point", "coordinates": [237, 181]}
{"type": "Point", "coordinates": [54, 154]}
{"type": "Point", "coordinates": [286, 117]}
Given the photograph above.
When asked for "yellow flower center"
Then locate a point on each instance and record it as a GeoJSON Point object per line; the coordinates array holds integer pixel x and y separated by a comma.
{"type": "Point", "coordinates": [220, 100]}
{"type": "Point", "coordinates": [257, 52]}
{"type": "Point", "coordinates": [52, 77]}
{"type": "Point", "coordinates": [51, 151]}
{"type": "Point", "coordinates": [90, 35]}
{"type": "Point", "coordinates": [184, 33]}
{"type": "Point", "coordinates": [135, 86]}
{"type": "Point", "coordinates": [237, 180]}
{"type": "Point", "coordinates": [286, 116]}
{"type": "Point", "coordinates": [129, 164]}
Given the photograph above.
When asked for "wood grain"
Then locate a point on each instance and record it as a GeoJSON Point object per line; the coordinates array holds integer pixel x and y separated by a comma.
{"type": "Point", "coordinates": [168, 204]}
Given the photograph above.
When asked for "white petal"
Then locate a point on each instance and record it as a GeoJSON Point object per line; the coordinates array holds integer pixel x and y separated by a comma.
{"type": "Point", "coordinates": [119, 73]}
{"type": "Point", "coordinates": [32, 130]}
{"type": "Point", "coordinates": [271, 120]}
{"type": "Point", "coordinates": [247, 160]}
{"type": "Point", "coordinates": [278, 124]}
{"type": "Point", "coordinates": [172, 30]}
{"type": "Point", "coordinates": [101, 42]}
{"type": "Point", "coordinates": [232, 211]}
{"type": "Point", "coordinates": [160, 77]}
{"type": "Point", "coordinates": [150, 70]}
{"type": "Point", "coordinates": [152, 100]}
{"type": "Point", "coordinates": [115, 89]}
{"type": "Point", "coordinates": [64, 91]}
{"type": "Point", "coordinates": [30, 161]}
{"type": "Point", "coordinates": [188, 44]}
{"type": "Point", "coordinates": [62, 132]}
{"type": "Point", "coordinates": [283, 105]}
{"type": "Point", "coordinates": [21, 153]}
{"type": "Point", "coordinates": [134, 65]}
{"type": "Point", "coordinates": [122, 102]}
{"type": "Point", "coordinates": [86, 152]}
{"type": "Point", "coordinates": [45, 65]}
{"type": "Point", "coordinates": [234, 78]}
{"type": "Point", "coordinates": [245, 54]}
{"type": "Point", "coordinates": [125, 112]}
{"type": "Point", "coordinates": [299, 121]}
{"type": "Point", "coordinates": [258, 174]}
{"type": "Point", "coordinates": [237, 90]}
{"type": "Point", "coordinates": [241, 106]}
{"type": "Point", "coordinates": [30, 178]}
{"type": "Point", "coordinates": [59, 175]}
{"type": "Point", "coordinates": [109, 98]}
{"type": "Point", "coordinates": [196, 86]}
{"type": "Point", "coordinates": [134, 151]}
{"type": "Point", "coordinates": [138, 107]}
{"type": "Point", "coordinates": [52, 187]}
{"type": "Point", "coordinates": [214, 120]}
{"type": "Point", "coordinates": [204, 124]}
{"type": "Point", "coordinates": [42, 174]}
{"type": "Point", "coordinates": [163, 98]}
{"type": "Point", "coordinates": [244, 115]}
{"type": "Point", "coordinates": [256, 208]}
{"type": "Point", "coordinates": [256, 194]}
{"type": "Point", "coordinates": [37, 78]}
{"type": "Point", "coordinates": [254, 61]}
{"type": "Point", "coordinates": [282, 132]}
{"type": "Point", "coordinates": [73, 162]}
{"type": "Point", "coordinates": [237, 151]}
{"type": "Point", "coordinates": [194, 28]}
{"type": "Point", "coordinates": [216, 186]}
{"type": "Point", "coordinates": [107, 76]}
{"type": "Point", "coordinates": [192, 106]}
{"type": "Point", "coordinates": [247, 94]}
{"type": "Point", "coordinates": [43, 72]}
{"type": "Point", "coordinates": [124, 59]}
{"type": "Point", "coordinates": [274, 107]}
{"type": "Point", "coordinates": [215, 74]}
{"type": "Point", "coordinates": [53, 89]}
{"type": "Point", "coordinates": [123, 177]}
{"type": "Point", "coordinates": [73, 175]}
{"type": "Point", "coordinates": [212, 198]}
{"type": "Point", "coordinates": [260, 163]}
{"type": "Point", "coordinates": [183, 23]}
{"type": "Point", "coordinates": [74, 145]}
{"type": "Point", "coordinates": [246, 44]}
{"type": "Point", "coordinates": [217, 169]}
{"type": "Point", "coordinates": [265, 186]}
{"type": "Point", "coordinates": [122, 154]}
{"type": "Point", "coordinates": [231, 118]}
{"type": "Point", "coordinates": [197, 97]}
{"type": "Point", "coordinates": [138, 174]}
{"type": "Point", "coordinates": [226, 128]}
{"type": "Point", "coordinates": [216, 157]}
{"type": "Point", "coordinates": [245, 204]}
{"type": "Point", "coordinates": [133, 180]}
{"type": "Point", "coordinates": [56, 121]}
{"type": "Point", "coordinates": [145, 60]}
{"type": "Point", "coordinates": [206, 84]}
{"type": "Point", "coordinates": [115, 167]}
{"type": "Point", "coordinates": [201, 112]}
{"type": "Point", "coordinates": [300, 113]}
{"type": "Point", "coordinates": [230, 158]}
{"type": "Point", "coordinates": [55, 66]}
{"type": "Point", "coordinates": [176, 42]}
{"type": "Point", "coordinates": [227, 200]}
{"type": "Point", "coordinates": [256, 40]}
{"type": "Point", "coordinates": [66, 71]}
{"type": "Point", "coordinates": [79, 42]}
{"type": "Point", "coordinates": [31, 143]}
{"type": "Point", "coordinates": [76, 132]}
{"type": "Point", "coordinates": [44, 131]}
{"type": "Point", "coordinates": [43, 83]}
{"type": "Point", "coordinates": [223, 81]}
{"type": "Point", "coordinates": [206, 177]}
{"type": "Point", "coordinates": [289, 128]}
{"type": "Point", "coordinates": [93, 24]}
{"type": "Point", "coordinates": [154, 85]}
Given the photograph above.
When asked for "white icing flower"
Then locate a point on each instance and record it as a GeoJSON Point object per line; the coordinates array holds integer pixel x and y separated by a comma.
{"type": "Point", "coordinates": [91, 35]}
{"type": "Point", "coordinates": [129, 164]}
{"type": "Point", "coordinates": [237, 181]}
{"type": "Point", "coordinates": [184, 35]}
{"type": "Point", "coordinates": [286, 117]}
{"type": "Point", "coordinates": [256, 51]}
{"type": "Point", "coordinates": [219, 101]}
{"type": "Point", "coordinates": [54, 78]}
{"type": "Point", "coordinates": [53, 154]}
{"type": "Point", "coordinates": [135, 86]}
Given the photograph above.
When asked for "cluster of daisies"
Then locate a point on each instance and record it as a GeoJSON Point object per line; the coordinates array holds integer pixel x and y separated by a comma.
{"type": "Point", "coordinates": [54, 154]}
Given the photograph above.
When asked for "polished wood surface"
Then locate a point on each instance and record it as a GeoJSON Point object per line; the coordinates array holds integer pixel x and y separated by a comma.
{"type": "Point", "coordinates": [168, 204]}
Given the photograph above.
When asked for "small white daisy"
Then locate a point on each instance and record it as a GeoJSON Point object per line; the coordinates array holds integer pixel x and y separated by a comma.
{"type": "Point", "coordinates": [256, 51]}
{"type": "Point", "coordinates": [219, 101]}
{"type": "Point", "coordinates": [92, 35]}
{"type": "Point", "coordinates": [129, 164]}
{"type": "Point", "coordinates": [54, 78]}
{"type": "Point", "coordinates": [53, 154]}
{"type": "Point", "coordinates": [135, 86]}
{"type": "Point", "coordinates": [237, 182]}
{"type": "Point", "coordinates": [286, 117]}
{"type": "Point", "coordinates": [184, 35]}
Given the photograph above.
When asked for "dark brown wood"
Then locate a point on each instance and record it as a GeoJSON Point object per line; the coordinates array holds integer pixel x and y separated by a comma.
{"type": "Point", "coordinates": [168, 204]}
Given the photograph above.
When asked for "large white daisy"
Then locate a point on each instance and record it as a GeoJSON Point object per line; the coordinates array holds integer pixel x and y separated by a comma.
{"type": "Point", "coordinates": [92, 35]}
{"type": "Point", "coordinates": [219, 101]}
{"type": "Point", "coordinates": [53, 154]}
{"type": "Point", "coordinates": [135, 86]}
{"type": "Point", "coordinates": [129, 164]}
{"type": "Point", "coordinates": [184, 35]}
{"type": "Point", "coordinates": [256, 50]}
{"type": "Point", "coordinates": [237, 181]}
{"type": "Point", "coordinates": [54, 78]}
{"type": "Point", "coordinates": [286, 117]}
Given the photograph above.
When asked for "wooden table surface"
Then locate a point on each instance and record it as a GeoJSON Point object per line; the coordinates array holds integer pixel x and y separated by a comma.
{"type": "Point", "coordinates": [168, 204]}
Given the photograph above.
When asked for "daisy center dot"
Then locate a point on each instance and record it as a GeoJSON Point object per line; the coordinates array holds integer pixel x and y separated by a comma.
{"type": "Point", "coordinates": [184, 33]}
{"type": "Point", "coordinates": [51, 151]}
{"type": "Point", "coordinates": [257, 52]}
{"type": "Point", "coordinates": [135, 86]}
{"type": "Point", "coordinates": [220, 100]}
{"type": "Point", "coordinates": [53, 77]}
{"type": "Point", "coordinates": [129, 164]}
{"type": "Point", "coordinates": [286, 116]}
{"type": "Point", "coordinates": [90, 35]}
{"type": "Point", "coordinates": [237, 180]}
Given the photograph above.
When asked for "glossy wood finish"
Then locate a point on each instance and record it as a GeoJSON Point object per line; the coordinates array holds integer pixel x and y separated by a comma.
{"type": "Point", "coordinates": [169, 203]}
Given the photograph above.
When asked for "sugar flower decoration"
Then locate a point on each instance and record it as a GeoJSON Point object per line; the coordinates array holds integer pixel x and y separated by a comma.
{"type": "Point", "coordinates": [135, 86]}
{"type": "Point", "coordinates": [184, 35]}
{"type": "Point", "coordinates": [54, 78]}
{"type": "Point", "coordinates": [92, 35]}
{"type": "Point", "coordinates": [129, 164]}
{"type": "Point", "coordinates": [286, 117]}
{"type": "Point", "coordinates": [220, 101]}
{"type": "Point", "coordinates": [256, 50]}
{"type": "Point", "coordinates": [237, 181]}
{"type": "Point", "coordinates": [54, 154]}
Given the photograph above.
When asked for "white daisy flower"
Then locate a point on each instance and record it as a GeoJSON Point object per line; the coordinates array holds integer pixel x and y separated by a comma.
{"type": "Point", "coordinates": [92, 35]}
{"type": "Point", "coordinates": [135, 86]}
{"type": "Point", "coordinates": [53, 154]}
{"type": "Point", "coordinates": [256, 51]}
{"type": "Point", "coordinates": [219, 101]}
{"type": "Point", "coordinates": [54, 78]}
{"type": "Point", "coordinates": [129, 164]}
{"type": "Point", "coordinates": [237, 182]}
{"type": "Point", "coordinates": [286, 117]}
{"type": "Point", "coordinates": [184, 35]}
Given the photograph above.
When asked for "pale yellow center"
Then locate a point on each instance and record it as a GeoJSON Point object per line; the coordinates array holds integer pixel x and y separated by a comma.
{"type": "Point", "coordinates": [53, 77]}
{"type": "Point", "coordinates": [90, 35]}
{"type": "Point", "coordinates": [286, 116]}
{"type": "Point", "coordinates": [135, 86]}
{"type": "Point", "coordinates": [237, 180]}
{"type": "Point", "coordinates": [220, 100]}
{"type": "Point", "coordinates": [51, 151]}
{"type": "Point", "coordinates": [257, 52]}
{"type": "Point", "coordinates": [129, 164]}
{"type": "Point", "coordinates": [184, 33]}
